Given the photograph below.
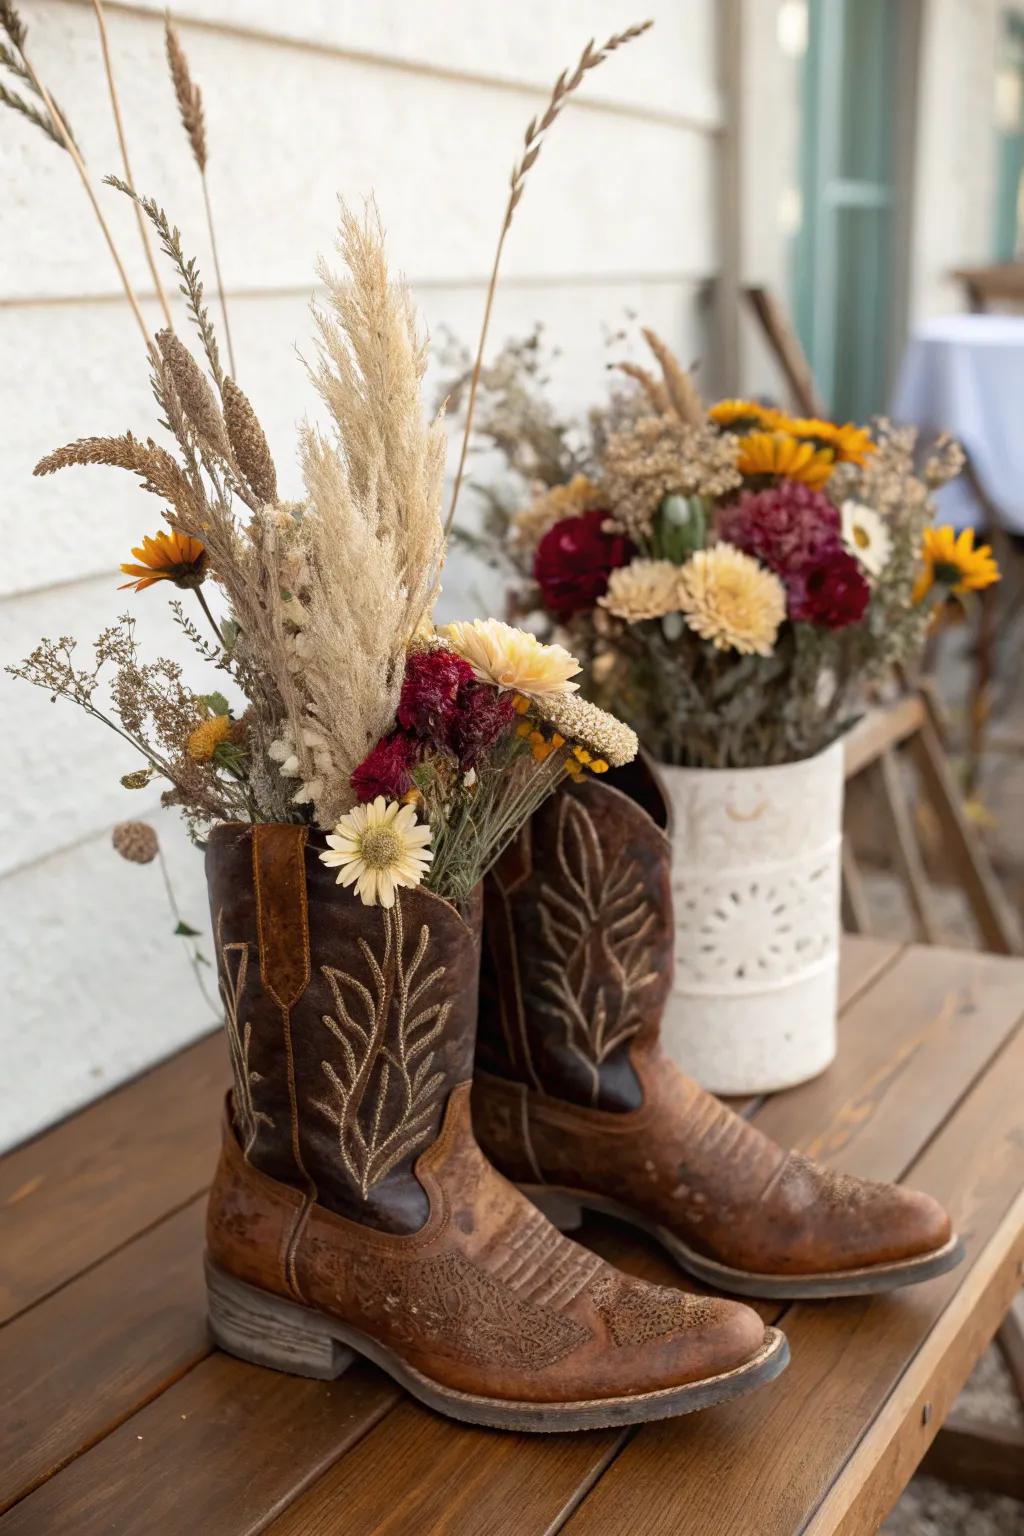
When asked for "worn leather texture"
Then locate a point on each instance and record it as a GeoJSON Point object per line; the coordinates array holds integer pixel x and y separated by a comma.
{"type": "Point", "coordinates": [630, 1126]}
{"type": "Point", "coordinates": [348, 1025]}
{"type": "Point", "coordinates": [487, 1297]}
{"type": "Point", "coordinates": [578, 938]}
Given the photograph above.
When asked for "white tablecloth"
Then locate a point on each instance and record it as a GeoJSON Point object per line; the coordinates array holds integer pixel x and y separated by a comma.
{"type": "Point", "coordinates": [965, 374]}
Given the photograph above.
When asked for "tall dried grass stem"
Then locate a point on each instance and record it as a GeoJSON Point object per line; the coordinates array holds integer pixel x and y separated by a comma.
{"type": "Point", "coordinates": [193, 120]}
{"type": "Point", "coordinates": [249, 443]}
{"type": "Point", "coordinates": [653, 388]}
{"type": "Point", "coordinates": [682, 392]}
{"type": "Point", "coordinates": [564, 86]}
{"type": "Point", "coordinates": [122, 141]}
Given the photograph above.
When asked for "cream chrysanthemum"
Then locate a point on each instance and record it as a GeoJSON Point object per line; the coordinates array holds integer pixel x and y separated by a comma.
{"type": "Point", "coordinates": [647, 589]}
{"type": "Point", "coordinates": [588, 726]}
{"type": "Point", "coordinates": [732, 601]}
{"type": "Point", "coordinates": [511, 658]}
{"type": "Point", "coordinates": [377, 848]}
{"type": "Point", "coordinates": [866, 536]}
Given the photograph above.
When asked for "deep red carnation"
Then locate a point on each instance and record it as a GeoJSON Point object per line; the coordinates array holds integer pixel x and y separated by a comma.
{"type": "Point", "coordinates": [387, 770]}
{"type": "Point", "coordinates": [833, 593]}
{"type": "Point", "coordinates": [787, 527]}
{"type": "Point", "coordinates": [483, 714]}
{"type": "Point", "coordinates": [574, 560]}
{"type": "Point", "coordinates": [430, 691]}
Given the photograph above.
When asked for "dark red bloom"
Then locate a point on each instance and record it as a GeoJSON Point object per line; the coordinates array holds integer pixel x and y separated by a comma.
{"type": "Point", "coordinates": [787, 527]}
{"type": "Point", "coordinates": [574, 560]}
{"type": "Point", "coordinates": [483, 714]}
{"type": "Point", "coordinates": [832, 593]}
{"type": "Point", "coordinates": [387, 770]}
{"type": "Point", "coordinates": [430, 691]}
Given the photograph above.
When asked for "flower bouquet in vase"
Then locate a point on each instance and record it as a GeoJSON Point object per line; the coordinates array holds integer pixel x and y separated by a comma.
{"type": "Point", "coordinates": [737, 581]}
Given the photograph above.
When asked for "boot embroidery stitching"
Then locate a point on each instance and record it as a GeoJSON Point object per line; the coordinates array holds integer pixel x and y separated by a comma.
{"type": "Point", "coordinates": [450, 1303]}
{"type": "Point", "coordinates": [391, 1046]}
{"type": "Point", "coordinates": [599, 942]}
{"type": "Point", "coordinates": [636, 1312]}
{"type": "Point", "coordinates": [233, 976]}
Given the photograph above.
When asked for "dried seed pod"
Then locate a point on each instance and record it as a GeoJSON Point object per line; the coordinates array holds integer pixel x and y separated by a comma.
{"type": "Point", "coordinates": [135, 841]}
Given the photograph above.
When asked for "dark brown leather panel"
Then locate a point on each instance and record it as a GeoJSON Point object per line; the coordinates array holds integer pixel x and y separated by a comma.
{"type": "Point", "coordinates": [348, 1025]}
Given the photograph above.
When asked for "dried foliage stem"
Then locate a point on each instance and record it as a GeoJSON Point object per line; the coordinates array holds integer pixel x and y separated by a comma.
{"type": "Point", "coordinates": [564, 86]}
{"type": "Point", "coordinates": [90, 192]}
{"type": "Point", "coordinates": [190, 106]}
{"type": "Point", "coordinates": [119, 125]}
{"type": "Point", "coordinates": [195, 955]}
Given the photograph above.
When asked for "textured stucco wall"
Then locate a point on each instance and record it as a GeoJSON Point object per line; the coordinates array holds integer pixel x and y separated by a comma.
{"type": "Point", "coordinates": [427, 105]}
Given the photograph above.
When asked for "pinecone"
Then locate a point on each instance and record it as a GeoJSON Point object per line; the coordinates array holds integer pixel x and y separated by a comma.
{"type": "Point", "coordinates": [135, 841]}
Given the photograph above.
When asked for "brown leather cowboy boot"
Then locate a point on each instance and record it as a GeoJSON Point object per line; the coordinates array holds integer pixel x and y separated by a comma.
{"type": "Point", "coordinates": [352, 1209]}
{"type": "Point", "coordinates": [575, 1100]}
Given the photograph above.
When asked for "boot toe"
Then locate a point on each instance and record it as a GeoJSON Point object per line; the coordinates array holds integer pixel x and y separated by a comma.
{"type": "Point", "coordinates": [921, 1224]}
{"type": "Point", "coordinates": [662, 1337]}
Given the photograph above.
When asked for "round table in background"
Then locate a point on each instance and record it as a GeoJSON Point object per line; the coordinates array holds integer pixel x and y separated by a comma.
{"type": "Point", "coordinates": [964, 374]}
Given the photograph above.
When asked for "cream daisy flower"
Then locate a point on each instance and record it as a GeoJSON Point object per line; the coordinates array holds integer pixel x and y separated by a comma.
{"type": "Point", "coordinates": [731, 600]}
{"type": "Point", "coordinates": [865, 536]}
{"type": "Point", "coordinates": [377, 848]}
{"type": "Point", "coordinates": [646, 589]}
{"type": "Point", "coordinates": [512, 658]}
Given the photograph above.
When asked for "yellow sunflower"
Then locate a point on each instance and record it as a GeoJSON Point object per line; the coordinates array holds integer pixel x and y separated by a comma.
{"type": "Point", "coordinates": [849, 444]}
{"type": "Point", "coordinates": [738, 415]}
{"type": "Point", "coordinates": [780, 453]}
{"type": "Point", "coordinates": [170, 556]}
{"type": "Point", "coordinates": [950, 560]}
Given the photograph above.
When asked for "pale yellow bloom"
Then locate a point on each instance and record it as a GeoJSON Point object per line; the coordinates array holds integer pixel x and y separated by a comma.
{"type": "Point", "coordinates": [377, 848]}
{"type": "Point", "coordinates": [512, 658]}
{"type": "Point", "coordinates": [731, 600]}
{"type": "Point", "coordinates": [646, 589]}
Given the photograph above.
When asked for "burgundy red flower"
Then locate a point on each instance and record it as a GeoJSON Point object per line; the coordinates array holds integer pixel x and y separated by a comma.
{"type": "Point", "coordinates": [787, 527]}
{"type": "Point", "coordinates": [574, 560]}
{"type": "Point", "coordinates": [833, 593]}
{"type": "Point", "coordinates": [387, 770]}
{"type": "Point", "coordinates": [430, 692]}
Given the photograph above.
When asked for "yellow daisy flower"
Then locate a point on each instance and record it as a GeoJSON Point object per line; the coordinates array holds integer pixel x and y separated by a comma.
{"type": "Point", "coordinates": [782, 454]}
{"type": "Point", "coordinates": [950, 560]}
{"type": "Point", "coordinates": [377, 848]}
{"type": "Point", "coordinates": [849, 444]}
{"type": "Point", "coordinates": [169, 556]}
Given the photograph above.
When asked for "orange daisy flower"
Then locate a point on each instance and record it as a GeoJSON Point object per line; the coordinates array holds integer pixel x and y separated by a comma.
{"type": "Point", "coordinates": [170, 556]}
{"type": "Point", "coordinates": [782, 454]}
{"type": "Point", "coordinates": [849, 444]}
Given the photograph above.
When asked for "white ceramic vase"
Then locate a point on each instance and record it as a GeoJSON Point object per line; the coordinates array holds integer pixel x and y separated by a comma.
{"type": "Point", "coordinates": [756, 856]}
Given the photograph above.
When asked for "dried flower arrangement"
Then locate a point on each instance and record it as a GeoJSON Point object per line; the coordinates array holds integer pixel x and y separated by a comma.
{"type": "Point", "coordinates": [734, 578]}
{"type": "Point", "coordinates": [420, 752]}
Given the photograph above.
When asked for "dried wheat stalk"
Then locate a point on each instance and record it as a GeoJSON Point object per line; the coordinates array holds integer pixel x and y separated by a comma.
{"type": "Point", "coordinates": [156, 468]}
{"type": "Point", "coordinates": [564, 86]}
{"type": "Point", "coordinates": [193, 120]}
{"type": "Point", "coordinates": [249, 443]}
{"type": "Point", "coordinates": [122, 141]}
{"type": "Point", "coordinates": [682, 393]}
{"type": "Point", "coordinates": [653, 388]}
{"type": "Point", "coordinates": [57, 129]}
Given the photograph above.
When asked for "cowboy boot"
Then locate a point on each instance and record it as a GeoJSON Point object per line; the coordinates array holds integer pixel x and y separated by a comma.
{"type": "Point", "coordinates": [575, 1100]}
{"type": "Point", "coordinates": [352, 1211]}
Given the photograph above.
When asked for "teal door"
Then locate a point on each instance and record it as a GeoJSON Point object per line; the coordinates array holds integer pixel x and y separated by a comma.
{"type": "Point", "coordinates": [843, 252]}
{"type": "Point", "coordinates": [1009, 117]}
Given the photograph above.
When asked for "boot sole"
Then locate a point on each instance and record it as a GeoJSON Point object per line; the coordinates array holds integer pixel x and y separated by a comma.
{"type": "Point", "coordinates": [268, 1330]}
{"type": "Point", "coordinates": [565, 1207]}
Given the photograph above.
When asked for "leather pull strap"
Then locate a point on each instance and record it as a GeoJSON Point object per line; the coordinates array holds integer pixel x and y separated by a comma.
{"type": "Point", "coordinates": [279, 875]}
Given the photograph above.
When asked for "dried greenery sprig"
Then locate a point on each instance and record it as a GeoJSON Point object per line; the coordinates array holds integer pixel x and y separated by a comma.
{"type": "Point", "coordinates": [564, 86]}
{"type": "Point", "coordinates": [193, 120]}
{"type": "Point", "coordinates": [123, 143]}
{"type": "Point", "coordinates": [56, 127]}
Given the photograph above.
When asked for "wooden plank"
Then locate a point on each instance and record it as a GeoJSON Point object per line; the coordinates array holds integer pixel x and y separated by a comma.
{"type": "Point", "coordinates": [71, 1196]}
{"type": "Point", "coordinates": [1010, 1339]}
{"type": "Point", "coordinates": [908, 1049]}
{"type": "Point", "coordinates": [976, 1454]}
{"type": "Point", "coordinates": [892, 796]}
{"type": "Point", "coordinates": [222, 1451]}
{"type": "Point", "coordinates": [963, 846]}
{"type": "Point", "coordinates": [786, 1451]}
{"type": "Point", "coordinates": [86, 1358]}
{"type": "Point", "coordinates": [862, 959]}
{"type": "Point", "coordinates": [880, 728]}
{"type": "Point", "coordinates": [417, 1473]}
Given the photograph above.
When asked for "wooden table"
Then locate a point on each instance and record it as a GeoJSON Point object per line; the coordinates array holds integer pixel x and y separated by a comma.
{"type": "Point", "coordinates": [116, 1416]}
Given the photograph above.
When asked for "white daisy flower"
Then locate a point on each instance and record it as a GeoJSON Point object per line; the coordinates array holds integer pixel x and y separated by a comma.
{"type": "Point", "coordinates": [865, 536]}
{"type": "Point", "coordinates": [378, 848]}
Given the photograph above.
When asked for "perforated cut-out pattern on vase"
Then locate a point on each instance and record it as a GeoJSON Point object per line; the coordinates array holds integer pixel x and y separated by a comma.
{"type": "Point", "coordinates": [755, 885]}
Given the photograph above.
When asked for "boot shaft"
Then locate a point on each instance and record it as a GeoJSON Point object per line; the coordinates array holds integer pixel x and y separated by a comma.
{"type": "Point", "coordinates": [348, 1026]}
{"type": "Point", "coordinates": [578, 942]}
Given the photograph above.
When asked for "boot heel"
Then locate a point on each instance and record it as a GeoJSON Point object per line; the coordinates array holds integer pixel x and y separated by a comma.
{"type": "Point", "coordinates": [561, 1210]}
{"type": "Point", "coordinates": [267, 1330]}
